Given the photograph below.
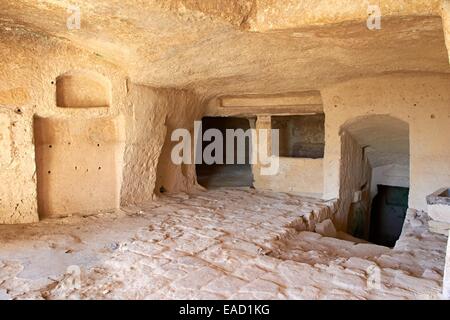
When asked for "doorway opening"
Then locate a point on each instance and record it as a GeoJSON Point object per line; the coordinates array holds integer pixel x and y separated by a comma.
{"type": "Point", "coordinates": [380, 177]}
{"type": "Point", "coordinates": [388, 215]}
{"type": "Point", "coordinates": [219, 175]}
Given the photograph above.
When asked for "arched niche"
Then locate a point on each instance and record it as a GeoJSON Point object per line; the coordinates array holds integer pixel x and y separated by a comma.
{"type": "Point", "coordinates": [385, 138]}
{"type": "Point", "coordinates": [83, 89]}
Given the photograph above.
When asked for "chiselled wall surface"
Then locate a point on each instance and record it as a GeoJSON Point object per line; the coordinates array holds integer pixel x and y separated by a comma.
{"type": "Point", "coordinates": [314, 52]}
{"type": "Point", "coordinates": [31, 64]}
{"type": "Point", "coordinates": [422, 101]}
{"type": "Point", "coordinates": [295, 175]}
{"type": "Point", "coordinates": [354, 175]}
{"type": "Point", "coordinates": [389, 175]}
{"type": "Point", "coordinates": [153, 114]}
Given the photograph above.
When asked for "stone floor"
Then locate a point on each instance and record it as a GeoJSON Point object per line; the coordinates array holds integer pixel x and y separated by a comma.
{"type": "Point", "coordinates": [221, 244]}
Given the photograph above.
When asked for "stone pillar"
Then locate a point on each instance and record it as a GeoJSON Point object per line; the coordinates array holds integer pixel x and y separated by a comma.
{"type": "Point", "coordinates": [265, 122]}
{"type": "Point", "coordinates": [446, 23]}
{"type": "Point", "coordinates": [262, 122]}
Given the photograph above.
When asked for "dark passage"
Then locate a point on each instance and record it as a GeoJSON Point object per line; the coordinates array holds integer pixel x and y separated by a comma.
{"type": "Point", "coordinates": [226, 175]}
{"type": "Point", "coordinates": [388, 215]}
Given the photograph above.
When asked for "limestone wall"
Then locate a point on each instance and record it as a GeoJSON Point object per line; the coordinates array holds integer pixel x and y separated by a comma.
{"type": "Point", "coordinates": [423, 101]}
{"type": "Point", "coordinates": [445, 13]}
{"type": "Point", "coordinates": [276, 14]}
{"type": "Point", "coordinates": [153, 115]}
{"type": "Point", "coordinates": [78, 164]}
{"type": "Point", "coordinates": [390, 175]}
{"type": "Point", "coordinates": [355, 174]}
{"type": "Point", "coordinates": [295, 175]}
{"type": "Point", "coordinates": [30, 88]}
{"type": "Point", "coordinates": [31, 63]}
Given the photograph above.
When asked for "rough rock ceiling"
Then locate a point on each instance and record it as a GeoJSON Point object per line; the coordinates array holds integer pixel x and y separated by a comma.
{"type": "Point", "coordinates": [244, 46]}
{"type": "Point", "coordinates": [385, 138]}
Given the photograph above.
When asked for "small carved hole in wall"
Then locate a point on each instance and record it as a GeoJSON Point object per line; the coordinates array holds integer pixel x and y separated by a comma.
{"type": "Point", "coordinates": [99, 168]}
{"type": "Point", "coordinates": [162, 189]}
{"type": "Point", "coordinates": [76, 168]}
{"type": "Point", "coordinates": [18, 111]}
{"type": "Point", "coordinates": [50, 146]}
{"type": "Point", "coordinates": [98, 144]}
{"type": "Point", "coordinates": [433, 116]}
{"type": "Point", "coordinates": [49, 172]}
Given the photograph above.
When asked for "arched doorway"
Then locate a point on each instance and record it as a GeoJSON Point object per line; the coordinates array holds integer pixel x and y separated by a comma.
{"type": "Point", "coordinates": [378, 212]}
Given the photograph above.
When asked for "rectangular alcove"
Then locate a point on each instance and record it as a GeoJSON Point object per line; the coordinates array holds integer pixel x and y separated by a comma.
{"type": "Point", "coordinates": [82, 89]}
{"type": "Point", "coordinates": [301, 136]}
{"type": "Point", "coordinates": [79, 164]}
